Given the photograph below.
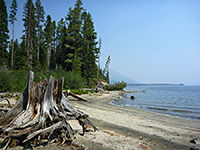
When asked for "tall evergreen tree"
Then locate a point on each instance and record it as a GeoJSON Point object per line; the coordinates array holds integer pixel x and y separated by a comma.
{"type": "Point", "coordinates": [61, 33]}
{"type": "Point", "coordinates": [12, 20]}
{"type": "Point", "coordinates": [21, 55]}
{"type": "Point", "coordinates": [39, 10]}
{"type": "Point", "coordinates": [106, 69]}
{"type": "Point", "coordinates": [43, 52]}
{"type": "Point", "coordinates": [3, 33]}
{"type": "Point", "coordinates": [48, 33]}
{"type": "Point", "coordinates": [90, 51]}
{"type": "Point", "coordinates": [30, 33]}
{"type": "Point", "coordinates": [98, 71]}
{"type": "Point", "coordinates": [53, 49]}
{"type": "Point", "coordinates": [73, 39]}
{"type": "Point", "coordinates": [16, 48]}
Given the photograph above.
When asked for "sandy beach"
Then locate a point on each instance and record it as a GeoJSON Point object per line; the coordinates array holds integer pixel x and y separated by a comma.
{"type": "Point", "coordinates": [127, 128]}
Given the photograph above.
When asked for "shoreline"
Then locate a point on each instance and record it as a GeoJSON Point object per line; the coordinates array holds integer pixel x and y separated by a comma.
{"type": "Point", "coordinates": [129, 128]}
{"type": "Point", "coordinates": [153, 130]}
{"type": "Point", "coordinates": [165, 114]}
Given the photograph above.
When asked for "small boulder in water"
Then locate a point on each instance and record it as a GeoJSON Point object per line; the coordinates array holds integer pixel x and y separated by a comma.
{"type": "Point", "coordinates": [132, 97]}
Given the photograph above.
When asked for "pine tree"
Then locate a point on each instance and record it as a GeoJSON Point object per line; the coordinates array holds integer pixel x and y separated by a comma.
{"type": "Point", "coordinates": [74, 38]}
{"type": "Point", "coordinates": [43, 52]}
{"type": "Point", "coordinates": [98, 71]}
{"type": "Point", "coordinates": [61, 33]}
{"type": "Point", "coordinates": [106, 69]}
{"type": "Point", "coordinates": [16, 58]}
{"type": "Point", "coordinates": [3, 33]}
{"type": "Point", "coordinates": [39, 9]}
{"type": "Point", "coordinates": [90, 51]}
{"type": "Point", "coordinates": [48, 33]}
{"type": "Point", "coordinates": [12, 20]}
{"type": "Point", "coordinates": [21, 56]}
{"type": "Point", "coordinates": [76, 64]}
{"type": "Point", "coordinates": [30, 34]}
{"type": "Point", "coordinates": [53, 55]}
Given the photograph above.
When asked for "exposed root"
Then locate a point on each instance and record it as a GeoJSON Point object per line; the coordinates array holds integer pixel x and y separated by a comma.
{"type": "Point", "coordinates": [41, 116]}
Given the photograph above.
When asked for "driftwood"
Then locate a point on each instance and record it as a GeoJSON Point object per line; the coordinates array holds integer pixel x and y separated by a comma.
{"type": "Point", "coordinates": [5, 99]}
{"type": "Point", "coordinates": [41, 114]}
{"type": "Point", "coordinates": [68, 92]}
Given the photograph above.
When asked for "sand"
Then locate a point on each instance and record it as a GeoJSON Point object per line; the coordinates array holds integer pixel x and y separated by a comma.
{"type": "Point", "coordinates": [127, 128]}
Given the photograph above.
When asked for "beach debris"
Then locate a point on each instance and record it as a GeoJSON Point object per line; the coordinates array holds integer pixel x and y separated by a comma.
{"type": "Point", "coordinates": [41, 116]}
{"type": "Point", "coordinates": [132, 97]}
{"type": "Point", "coordinates": [68, 92]}
{"type": "Point", "coordinates": [5, 99]}
{"type": "Point", "coordinates": [196, 142]}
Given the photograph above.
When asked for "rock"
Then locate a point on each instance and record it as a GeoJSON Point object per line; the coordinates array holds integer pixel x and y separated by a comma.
{"type": "Point", "coordinates": [195, 141]}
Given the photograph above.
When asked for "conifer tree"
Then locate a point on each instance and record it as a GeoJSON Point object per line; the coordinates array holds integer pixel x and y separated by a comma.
{"type": "Point", "coordinates": [61, 33]}
{"type": "Point", "coordinates": [48, 33]}
{"type": "Point", "coordinates": [90, 51]}
{"type": "Point", "coordinates": [30, 34]}
{"type": "Point", "coordinates": [106, 69]}
{"type": "Point", "coordinates": [98, 71]}
{"type": "Point", "coordinates": [43, 52]}
{"type": "Point", "coordinates": [3, 33]}
{"type": "Point", "coordinates": [52, 55]}
{"type": "Point", "coordinates": [12, 20]}
{"type": "Point", "coordinates": [76, 64]}
{"type": "Point", "coordinates": [39, 10]}
{"type": "Point", "coordinates": [73, 39]}
{"type": "Point", "coordinates": [16, 54]}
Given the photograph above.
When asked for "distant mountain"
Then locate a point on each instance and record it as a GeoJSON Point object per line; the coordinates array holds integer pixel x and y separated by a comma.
{"type": "Point", "coordinates": [116, 76]}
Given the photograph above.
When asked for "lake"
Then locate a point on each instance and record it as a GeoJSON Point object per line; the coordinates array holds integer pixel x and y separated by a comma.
{"type": "Point", "coordinates": [175, 100]}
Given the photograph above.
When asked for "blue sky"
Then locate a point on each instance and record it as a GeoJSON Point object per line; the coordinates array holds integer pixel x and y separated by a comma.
{"type": "Point", "coordinates": [150, 41]}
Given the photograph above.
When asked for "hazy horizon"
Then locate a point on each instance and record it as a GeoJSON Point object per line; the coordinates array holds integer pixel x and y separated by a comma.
{"type": "Point", "coordinates": [155, 41]}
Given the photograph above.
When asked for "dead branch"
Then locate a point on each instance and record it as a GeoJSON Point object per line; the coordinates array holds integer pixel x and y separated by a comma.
{"type": "Point", "coordinates": [5, 99]}
{"type": "Point", "coordinates": [68, 92]}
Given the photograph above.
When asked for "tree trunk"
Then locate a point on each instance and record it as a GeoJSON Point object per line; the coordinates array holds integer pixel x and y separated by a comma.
{"type": "Point", "coordinates": [41, 113]}
{"type": "Point", "coordinates": [12, 54]}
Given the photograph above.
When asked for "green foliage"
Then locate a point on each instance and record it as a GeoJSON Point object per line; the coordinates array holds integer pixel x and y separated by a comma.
{"type": "Point", "coordinates": [65, 49]}
{"type": "Point", "coordinates": [5, 84]}
{"type": "Point", "coordinates": [39, 14]}
{"type": "Point", "coordinates": [117, 86]}
{"type": "Point", "coordinates": [79, 92]}
{"type": "Point", "coordinates": [73, 80]}
{"type": "Point", "coordinates": [105, 72]}
{"type": "Point", "coordinates": [13, 12]}
{"type": "Point", "coordinates": [12, 20]}
{"type": "Point", "coordinates": [30, 34]}
{"type": "Point", "coordinates": [89, 49]}
{"type": "Point", "coordinates": [13, 80]}
{"type": "Point", "coordinates": [48, 34]}
{"type": "Point", "coordinates": [3, 33]}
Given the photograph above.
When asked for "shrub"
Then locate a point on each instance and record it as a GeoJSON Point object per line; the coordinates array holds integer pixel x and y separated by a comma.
{"type": "Point", "coordinates": [79, 92]}
{"type": "Point", "coordinates": [5, 84]}
{"type": "Point", "coordinates": [73, 80]}
{"type": "Point", "coordinates": [116, 86]}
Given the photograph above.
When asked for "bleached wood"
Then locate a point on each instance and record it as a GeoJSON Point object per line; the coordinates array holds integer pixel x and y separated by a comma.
{"type": "Point", "coordinates": [41, 114]}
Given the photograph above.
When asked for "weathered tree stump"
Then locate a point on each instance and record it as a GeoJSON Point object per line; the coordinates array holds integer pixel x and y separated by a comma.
{"type": "Point", "coordinates": [41, 114]}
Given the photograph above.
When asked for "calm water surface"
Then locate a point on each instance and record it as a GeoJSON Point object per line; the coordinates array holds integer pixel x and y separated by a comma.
{"type": "Point", "coordinates": [175, 100]}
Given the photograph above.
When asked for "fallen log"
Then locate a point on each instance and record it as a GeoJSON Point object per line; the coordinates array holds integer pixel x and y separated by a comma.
{"type": "Point", "coordinates": [68, 92]}
{"type": "Point", "coordinates": [41, 114]}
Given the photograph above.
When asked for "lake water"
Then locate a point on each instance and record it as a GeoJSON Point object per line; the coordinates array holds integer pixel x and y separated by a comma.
{"type": "Point", "coordinates": [175, 100]}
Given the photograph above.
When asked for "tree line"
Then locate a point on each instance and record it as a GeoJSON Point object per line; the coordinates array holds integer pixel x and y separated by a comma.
{"type": "Point", "coordinates": [70, 44]}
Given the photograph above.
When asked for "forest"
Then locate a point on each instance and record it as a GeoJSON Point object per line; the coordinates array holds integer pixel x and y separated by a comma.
{"type": "Point", "coordinates": [68, 48]}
